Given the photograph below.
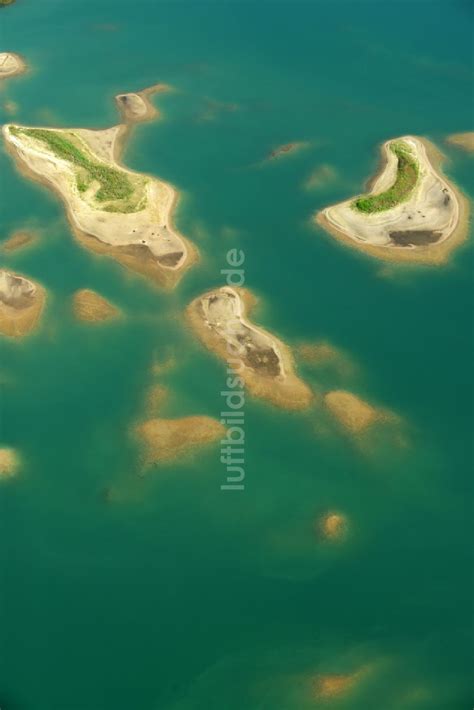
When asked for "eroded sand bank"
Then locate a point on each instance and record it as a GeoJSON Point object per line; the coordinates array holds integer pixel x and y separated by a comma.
{"type": "Point", "coordinates": [113, 210]}
{"type": "Point", "coordinates": [91, 307]}
{"type": "Point", "coordinates": [462, 140]}
{"type": "Point", "coordinates": [265, 364]}
{"type": "Point", "coordinates": [21, 304]}
{"type": "Point", "coordinates": [166, 439]}
{"type": "Point", "coordinates": [424, 226]}
{"type": "Point", "coordinates": [136, 107]}
{"type": "Point", "coordinates": [11, 64]}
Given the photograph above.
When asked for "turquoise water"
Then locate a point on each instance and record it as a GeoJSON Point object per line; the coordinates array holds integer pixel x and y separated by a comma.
{"type": "Point", "coordinates": [167, 593]}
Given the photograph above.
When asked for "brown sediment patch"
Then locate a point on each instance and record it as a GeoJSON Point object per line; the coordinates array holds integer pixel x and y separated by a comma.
{"type": "Point", "coordinates": [18, 240]}
{"type": "Point", "coordinates": [263, 362]}
{"type": "Point", "coordinates": [156, 397]}
{"type": "Point", "coordinates": [136, 107]}
{"type": "Point", "coordinates": [9, 463]}
{"type": "Point", "coordinates": [286, 149]}
{"type": "Point", "coordinates": [415, 237]}
{"type": "Point", "coordinates": [11, 64]}
{"type": "Point", "coordinates": [332, 526]}
{"type": "Point", "coordinates": [462, 140]}
{"type": "Point", "coordinates": [354, 414]}
{"type": "Point", "coordinates": [91, 307]}
{"type": "Point", "coordinates": [21, 304]}
{"type": "Point", "coordinates": [430, 253]}
{"type": "Point", "coordinates": [336, 685]}
{"type": "Point", "coordinates": [166, 439]}
{"type": "Point", "coordinates": [161, 366]}
{"type": "Point", "coordinates": [322, 354]}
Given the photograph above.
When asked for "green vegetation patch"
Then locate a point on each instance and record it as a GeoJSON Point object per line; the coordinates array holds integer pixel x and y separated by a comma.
{"type": "Point", "coordinates": [4, 3]}
{"type": "Point", "coordinates": [114, 184]}
{"type": "Point", "coordinates": [407, 176]}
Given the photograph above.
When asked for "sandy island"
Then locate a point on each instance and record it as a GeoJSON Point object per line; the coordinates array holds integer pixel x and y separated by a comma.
{"type": "Point", "coordinates": [412, 213]}
{"type": "Point", "coordinates": [137, 107]}
{"type": "Point", "coordinates": [263, 362]}
{"type": "Point", "coordinates": [166, 439]}
{"type": "Point", "coordinates": [18, 240]}
{"type": "Point", "coordinates": [112, 210]}
{"type": "Point", "coordinates": [8, 463]}
{"type": "Point", "coordinates": [462, 140]}
{"type": "Point", "coordinates": [11, 64]}
{"type": "Point", "coordinates": [91, 307]}
{"type": "Point", "coordinates": [21, 304]}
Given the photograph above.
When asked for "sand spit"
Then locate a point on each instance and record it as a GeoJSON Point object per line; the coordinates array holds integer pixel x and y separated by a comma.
{"type": "Point", "coordinates": [424, 227]}
{"type": "Point", "coordinates": [21, 304]}
{"type": "Point", "coordinates": [11, 64]}
{"type": "Point", "coordinates": [18, 240]}
{"type": "Point", "coordinates": [8, 463]}
{"type": "Point", "coordinates": [167, 439]}
{"type": "Point", "coordinates": [265, 364]}
{"type": "Point", "coordinates": [462, 140]}
{"type": "Point", "coordinates": [112, 210]}
{"type": "Point", "coordinates": [355, 415]}
{"type": "Point", "coordinates": [91, 307]}
{"type": "Point", "coordinates": [332, 526]}
{"type": "Point", "coordinates": [137, 107]}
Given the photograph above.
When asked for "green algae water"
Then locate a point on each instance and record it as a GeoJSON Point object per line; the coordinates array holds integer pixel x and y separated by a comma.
{"type": "Point", "coordinates": [163, 592]}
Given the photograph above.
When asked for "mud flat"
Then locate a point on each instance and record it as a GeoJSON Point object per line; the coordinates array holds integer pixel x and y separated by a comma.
{"type": "Point", "coordinates": [91, 307]}
{"type": "Point", "coordinates": [21, 304]}
{"type": "Point", "coordinates": [18, 240]}
{"type": "Point", "coordinates": [164, 440]}
{"type": "Point", "coordinates": [411, 214]}
{"type": "Point", "coordinates": [112, 210]}
{"type": "Point", "coordinates": [462, 140]}
{"type": "Point", "coordinates": [137, 107]}
{"type": "Point", "coordinates": [11, 64]}
{"type": "Point", "coordinates": [8, 463]}
{"type": "Point", "coordinates": [265, 364]}
{"type": "Point", "coordinates": [352, 413]}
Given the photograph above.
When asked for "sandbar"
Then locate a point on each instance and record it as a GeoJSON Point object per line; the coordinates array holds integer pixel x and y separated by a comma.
{"type": "Point", "coordinates": [412, 213]}
{"type": "Point", "coordinates": [136, 107]}
{"type": "Point", "coordinates": [265, 364]}
{"type": "Point", "coordinates": [9, 463]}
{"type": "Point", "coordinates": [112, 210]}
{"type": "Point", "coordinates": [11, 64]}
{"type": "Point", "coordinates": [21, 304]}
{"type": "Point", "coordinates": [18, 240]}
{"type": "Point", "coordinates": [166, 439]}
{"type": "Point", "coordinates": [353, 413]}
{"type": "Point", "coordinates": [462, 140]}
{"type": "Point", "coordinates": [91, 307]}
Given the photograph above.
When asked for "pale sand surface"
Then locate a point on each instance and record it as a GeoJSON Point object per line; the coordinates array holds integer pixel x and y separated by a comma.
{"type": "Point", "coordinates": [166, 439]}
{"type": "Point", "coordinates": [462, 140]}
{"type": "Point", "coordinates": [11, 64]}
{"type": "Point", "coordinates": [8, 463]}
{"type": "Point", "coordinates": [91, 307]}
{"type": "Point", "coordinates": [262, 361]}
{"type": "Point", "coordinates": [434, 217]}
{"type": "Point", "coordinates": [143, 238]}
{"type": "Point", "coordinates": [21, 304]}
{"type": "Point", "coordinates": [18, 240]}
{"type": "Point", "coordinates": [136, 107]}
{"type": "Point", "coordinates": [353, 413]}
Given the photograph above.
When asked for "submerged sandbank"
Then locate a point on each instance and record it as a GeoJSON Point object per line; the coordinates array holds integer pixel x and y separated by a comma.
{"type": "Point", "coordinates": [332, 526]}
{"type": "Point", "coordinates": [265, 364]}
{"type": "Point", "coordinates": [91, 307]}
{"type": "Point", "coordinates": [412, 212]}
{"type": "Point", "coordinates": [167, 439]}
{"type": "Point", "coordinates": [353, 413]}
{"type": "Point", "coordinates": [18, 240]}
{"type": "Point", "coordinates": [112, 210]}
{"type": "Point", "coordinates": [11, 64]}
{"type": "Point", "coordinates": [21, 304]}
{"type": "Point", "coordinates": [9, 463]}
{"type": "Point", "coordinates": [136, 107]}
{"type": "Point", "coordinates": [462, 140]}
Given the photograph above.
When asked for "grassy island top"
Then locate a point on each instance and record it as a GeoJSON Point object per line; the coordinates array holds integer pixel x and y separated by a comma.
{"type": "Point", "coordinates": [115, 186]}
{"type": "Point", "coordinates": [407, 176]}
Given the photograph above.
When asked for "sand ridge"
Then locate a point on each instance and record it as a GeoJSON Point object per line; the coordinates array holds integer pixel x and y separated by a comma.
{"type": "Point", "coordinates": [18, 240]}
{"type": "Point", "coordinates": [265, 364]}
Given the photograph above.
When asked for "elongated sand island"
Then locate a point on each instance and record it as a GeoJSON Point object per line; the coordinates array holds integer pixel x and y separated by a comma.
{"type": "Point", "coordinates": [112, 210]}
{"type": "Point", "coordinates": [21, 304]}
{"type": "Point", "coordinates": [11, 64]}
{"type": "Point", "coordinates": [412, 212]}
{"type": "Point", "coordinates": [262, 361]}
{"type": "Point", "coordinates": [136, 107]}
